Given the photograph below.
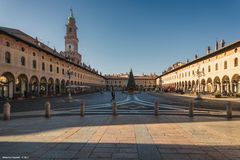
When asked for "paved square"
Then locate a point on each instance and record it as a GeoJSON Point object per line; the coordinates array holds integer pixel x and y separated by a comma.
{"type": "Point", "coordinates": [121, 137]}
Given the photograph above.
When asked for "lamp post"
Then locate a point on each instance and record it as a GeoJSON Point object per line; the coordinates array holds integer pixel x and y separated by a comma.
{"type": "Point", "coordinates": [199, 75]}
{"type": "Point", "coordinates": [69, 74]}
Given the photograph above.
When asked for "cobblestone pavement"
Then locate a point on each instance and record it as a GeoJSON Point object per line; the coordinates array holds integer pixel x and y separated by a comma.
{"type": "Point", "coordinates": [122, 137]}
{"type": "Point", "coordinates": [62, 102]}
{"type": "Point", "coordinates": [137, 104]}
{"type": "Point", "coordinates": [181, 100]}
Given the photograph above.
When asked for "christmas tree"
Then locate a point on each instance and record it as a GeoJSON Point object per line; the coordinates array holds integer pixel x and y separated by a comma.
{"type": "Point", "coordinates": [131, 82]}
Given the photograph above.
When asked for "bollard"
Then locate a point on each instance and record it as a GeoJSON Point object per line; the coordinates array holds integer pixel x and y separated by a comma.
{"type": "Point", "coordinates": [82, 108]}
{"type": "Point", "coordinates": [47, 109]}
{"type": "Point", "coordinates": [6, 111]}
{"type": "Point", "coordinates": [114, 108]}
{"type": "Point", "coordinates": [191, 108]}
{"type": "Point", "coordinates": [156, 108]}
{"type": "Point", "coordinates": [229, 109]}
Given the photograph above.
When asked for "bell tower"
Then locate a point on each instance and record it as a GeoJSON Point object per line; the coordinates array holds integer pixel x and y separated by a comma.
{"type": "Point", "coordinates": [71, 40]}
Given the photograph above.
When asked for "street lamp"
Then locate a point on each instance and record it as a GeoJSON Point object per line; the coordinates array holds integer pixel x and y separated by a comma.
{"type": "Point", "coordinates": [199, 75]}
{"type": "Point", "coordinates": [69, 74]}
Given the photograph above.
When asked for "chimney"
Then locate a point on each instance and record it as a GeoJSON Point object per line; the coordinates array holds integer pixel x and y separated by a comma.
{"type": "Point", "coordinates": [196, 56]}
{"type": "Point", "coordinates": [222, 43]}
{"type": "Point", "coordinates": [216, 45]}
{"type": "Point", "coordinates": [208, 50]}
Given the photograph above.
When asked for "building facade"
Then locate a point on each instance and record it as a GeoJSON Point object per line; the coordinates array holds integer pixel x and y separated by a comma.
{"type": "Point", "coordinates": [217, 71]}
{"type": "Point", "coordinates": [119, 81]}
{"type": "Point", "coordinates": [30, 68]}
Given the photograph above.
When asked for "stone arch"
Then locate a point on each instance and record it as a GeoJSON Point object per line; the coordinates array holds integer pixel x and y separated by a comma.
{"type": "Point", "coordinates": [209, 85]}
{"type": "Point", "coordinates": [33, 85]}
{"type": "Point", "coordinates": [186, 85]}
{"type": "Point", "coordinates": [203, 85]}
{"type": "Point", "coordinates": [189, 85]}
{"type": "Point", "coordinates": [63, 86]}
{"type": "Point", "coordinates": [43, 86]}
{"type": "Point", "coordinates": [193, 86]}
{"type": "Point", "coordinates": [7, 85]}
{"type": "Point", "coordinates": [217, 84]}
{"type": "Point", "coordinates": [22, 85]}
{"type": "Point", "coordinates": [50, 86]}
{"type": "Point", "coordinates": [235, 83]}
{"type": "Point", "coordinates": [57, 86]}
{"type": "Point", "coordinates": [225, 84]}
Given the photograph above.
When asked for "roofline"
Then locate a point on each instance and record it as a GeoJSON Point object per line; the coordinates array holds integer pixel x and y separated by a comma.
{"type": "Point", "coordinates": [210, 55]}
{"type": "Point", "coordinates": [39, 48]}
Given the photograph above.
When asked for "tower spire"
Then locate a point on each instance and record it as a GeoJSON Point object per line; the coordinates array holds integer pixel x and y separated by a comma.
{"type": "Point", "coordinates": [71, 13]}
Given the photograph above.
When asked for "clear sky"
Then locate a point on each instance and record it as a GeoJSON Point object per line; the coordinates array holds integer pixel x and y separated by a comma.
{"type": "Point", "coordinates": [116, 35]}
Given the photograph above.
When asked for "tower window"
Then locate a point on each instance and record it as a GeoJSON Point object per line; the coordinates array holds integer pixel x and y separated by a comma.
{"type": "Point", "coordinates": [70, 29]}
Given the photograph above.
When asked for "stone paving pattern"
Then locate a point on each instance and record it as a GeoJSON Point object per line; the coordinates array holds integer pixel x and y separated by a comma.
{"type": "Point", "coordinates": [121, 137]}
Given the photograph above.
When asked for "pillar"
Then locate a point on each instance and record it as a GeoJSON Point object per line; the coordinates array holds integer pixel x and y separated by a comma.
{"type": "Point", "coordinates": [54, 88]}
{"type": "Point", "coordinates": [47, 106]}
{"type": "Point", "coordinates": [6, 111]}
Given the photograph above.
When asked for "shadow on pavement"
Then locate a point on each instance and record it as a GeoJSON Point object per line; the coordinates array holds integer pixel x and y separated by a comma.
{"type": "Point", "coordinates": [35, 125]}
{"type": "Point", "coordinates": [77, 150]}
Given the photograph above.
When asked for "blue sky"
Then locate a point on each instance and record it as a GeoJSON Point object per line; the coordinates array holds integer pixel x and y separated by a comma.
{"type": "Point", "coordinates": [116, 35]}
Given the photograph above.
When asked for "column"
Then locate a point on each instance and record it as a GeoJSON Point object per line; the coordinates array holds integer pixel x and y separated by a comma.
{"type": "Point", "coordinates": [54, 88]}
{"type": "Point", "coordinates": [46, 89]}
{"type": "Point", "coordinates": [231, 90]}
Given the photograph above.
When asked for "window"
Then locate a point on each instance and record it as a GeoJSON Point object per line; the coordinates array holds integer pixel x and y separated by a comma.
{"type": "Point", "coordinates": [42, 57]}
{"type": "Point", "coordinates": [235, 50]}
{"type": "Point", "coordinates": [62, 71]}
{"type": "Point", "coordinates": [50, 68]}
{"type": "Point", "coordinates": [7, 57]}
{"type": "Point", "coordinates": [203, 70]}
{"type": "Point", "coordinates": [216, 66]}
{"type": "Point", "coordinates": [225, 64]}
{"type": "Point", "coordinates": [7, 44]}
{"type": "Point", "coordinates": [235, 62]}
{"type": "Point", "coordinates": [34, 64]}
{"type": "Point", "coordinates": [209, 68]}
{"type": "Point", "coordinates": [23, 49]}
{"type": "Point", "coordinates": [23, 61]}
{"type": "Point", "coordinates": [43, 66]}
{"type": "Point", "coordinates": [57, 69]}
{"type": "Point", "coordinates": [34, 54]}
{"type": "Point", "coordinates": [70, 30]}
